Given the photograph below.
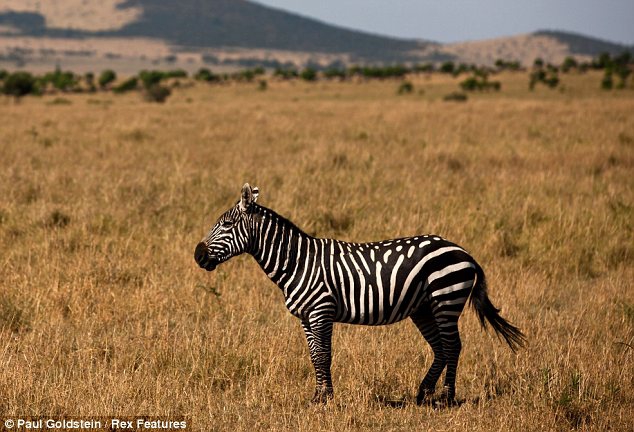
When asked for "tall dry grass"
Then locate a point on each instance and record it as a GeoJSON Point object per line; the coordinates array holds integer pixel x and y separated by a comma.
{"type": "Point", "coordinates": [104, 312]}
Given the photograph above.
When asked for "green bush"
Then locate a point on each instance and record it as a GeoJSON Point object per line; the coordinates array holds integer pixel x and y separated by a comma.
{"type": "Point", "coordinates": [621, 68]}
{"type": "Point", "coordinates": [156, 93]}
{"type": "Point", "coordinates": [151, 78]}
{"type": "Point", "coordinates": [395, 71]}
{"type": "Point", "coordinates": [381, 72]}
{"type": "Point", "coordinates": [247, 75]}
{"type": "Point", "coordinates": [406, 87]}
{"type": "Point", "coordinates": [618, 65]}
{"type": "Point", "coordinates": [448, 67]}
{"type": "Point", "coordinates": [425, 67]}
{"type": "Point", "coordinates": [480, 83]}
{"type": "Point", "coordinates": [126, 86]}
{"type": "Point", "coordinates": [623, 74]}
{"type": "Point", "coordinates": [552, 81]}
{"type": "Point", "coordinates": [568, 64]}
{"type": "Point", "coordinates": [603, 61]}
{"type": "Point", "coordinates": [502, 64]}
{"type": "Point", "coordinates": [354, 70]}
{"type": "Point", "coordinates": [107, 77]}
{"type": "Point", "coordinates": [285, 73]}
{"type": "Point", "coordinates": [3, 74]}
{"type": "Point", "coordinates": [535, 77]}
{"type": "Point", "coordinates": [308, 74]}
{"type": "Point", "coordinates": [61, 80]}
{"type": "Point", "coordinates": [205, 74]}
{"type": "Point", "coordinates": [470, 84]}
{"type": "Point", "coordinates": [332, 73]}
{"type": "Point", "coordinates": [89, 79]}
{"type": "Point", "coordinates": [176, 73]}
{"type": "Point", "coordinates": [463, 68]}
{"type": "Point", "coordinates": [19, 84]}
{"type": "Point", "coordinates": [607, 83]}
{"type": "Point", "coordinates": [547, 77]}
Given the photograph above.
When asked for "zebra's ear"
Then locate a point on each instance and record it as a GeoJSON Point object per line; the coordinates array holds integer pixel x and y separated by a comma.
{"type": "Point", "coordinates": [256, 193]}
{"type": "Point", "coordinates": [247, 197]}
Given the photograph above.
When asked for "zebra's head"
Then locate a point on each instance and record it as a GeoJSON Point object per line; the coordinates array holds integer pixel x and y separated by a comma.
{"type": "Point", "coordinates": [230, 235]}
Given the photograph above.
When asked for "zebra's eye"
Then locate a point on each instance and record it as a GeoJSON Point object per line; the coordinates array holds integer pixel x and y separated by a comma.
{"type": "Point", "coordinates": [227, 224]}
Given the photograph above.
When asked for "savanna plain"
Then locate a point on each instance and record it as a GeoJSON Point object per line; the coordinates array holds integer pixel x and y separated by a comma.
{"type": "Point", "coordinates": [103, 311]}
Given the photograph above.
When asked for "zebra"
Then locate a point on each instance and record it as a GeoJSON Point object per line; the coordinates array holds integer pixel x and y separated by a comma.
{"type": "Point", "coordinates": [425, 278]}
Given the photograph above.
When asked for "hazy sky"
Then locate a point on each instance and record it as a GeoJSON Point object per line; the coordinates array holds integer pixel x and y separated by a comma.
{"type": "Point", "coordinates": [459, 20]}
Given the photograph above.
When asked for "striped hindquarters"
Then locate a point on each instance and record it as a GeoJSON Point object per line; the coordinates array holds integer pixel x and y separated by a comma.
{"type": "Point", "coordinates": [385, 282]}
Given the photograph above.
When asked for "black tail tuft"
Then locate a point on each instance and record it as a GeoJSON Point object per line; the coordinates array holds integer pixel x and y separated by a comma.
{"type": "Point", "coordinates": [485, 310]}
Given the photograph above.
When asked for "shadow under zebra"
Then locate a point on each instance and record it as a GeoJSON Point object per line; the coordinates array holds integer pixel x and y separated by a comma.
{"type": "Point", "coordinates": [403, 402]}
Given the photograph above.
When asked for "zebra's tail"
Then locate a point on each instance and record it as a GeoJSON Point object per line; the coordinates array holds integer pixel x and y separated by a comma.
{"type": "Point", "coordinates": [485, 310]}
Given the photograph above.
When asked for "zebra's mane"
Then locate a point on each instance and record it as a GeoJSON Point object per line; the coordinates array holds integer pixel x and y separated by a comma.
{"type": "Point", "coordinates": [261, 211]}
{"type": "Point", "coordinates": [290, 230]}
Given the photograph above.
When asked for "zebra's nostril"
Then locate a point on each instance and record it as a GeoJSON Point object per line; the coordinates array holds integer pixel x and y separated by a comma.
{"type": "Point", "coordinates": [200, 254]}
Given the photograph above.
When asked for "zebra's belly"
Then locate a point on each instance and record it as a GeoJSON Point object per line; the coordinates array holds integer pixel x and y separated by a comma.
{"type": "Point", "coordinates": [378, 307]}
{"type": "Point", "coordinates": [373, 320]}
{"type": "Point", "coordinates": [370, 307]}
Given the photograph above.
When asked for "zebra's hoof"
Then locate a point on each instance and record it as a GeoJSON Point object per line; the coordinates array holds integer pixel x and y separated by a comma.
{"type": "Point", "coordinates": [322, 395]}
{"type": "Point", "coordinates": [425, 397]}
{"type": "Point", "coordinates": [445, 399]}
{"type": "Point", "coordinates": [443, 402]}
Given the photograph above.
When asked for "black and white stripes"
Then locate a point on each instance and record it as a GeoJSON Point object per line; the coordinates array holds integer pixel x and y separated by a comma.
{"type": "Point", "coordinates": [426, 278]}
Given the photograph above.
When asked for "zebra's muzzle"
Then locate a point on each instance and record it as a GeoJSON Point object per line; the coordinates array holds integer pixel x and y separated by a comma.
{"type": "Point", "coordinates": [210, 265]}
{"type": "Point", "coordinates": [201, 255]}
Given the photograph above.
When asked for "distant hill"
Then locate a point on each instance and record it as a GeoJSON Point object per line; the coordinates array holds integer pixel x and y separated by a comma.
{"type": "Point", "coordinates": [239, 23]}
{"type": "Point", "coordinates": [584, 45]}
{"type": "Point", "coordinates": [551, 46]}
{"type": "Point", "coordinates": [199, 24]}
{"type": "Point", "coordinates": [191, 33]}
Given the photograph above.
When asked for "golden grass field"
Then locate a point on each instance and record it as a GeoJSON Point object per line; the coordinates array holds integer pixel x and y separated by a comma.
{"type": "Point", "coordinates": [104, 312]}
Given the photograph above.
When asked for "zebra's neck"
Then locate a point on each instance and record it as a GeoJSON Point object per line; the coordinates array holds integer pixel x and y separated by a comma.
{"type": "Point", "coordinates": [276, 243]}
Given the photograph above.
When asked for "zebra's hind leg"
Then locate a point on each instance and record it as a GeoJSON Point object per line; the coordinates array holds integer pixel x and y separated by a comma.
{"type": "Point", "coordinates": [452, 346]}
{"type": "Point", "coordinates": [318, 332]}
{"type": "Point", "coordinates": [424, 321]}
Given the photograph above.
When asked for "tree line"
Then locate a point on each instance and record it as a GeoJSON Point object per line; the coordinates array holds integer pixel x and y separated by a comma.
{"type": "Point", "coordinates": [152, 83]}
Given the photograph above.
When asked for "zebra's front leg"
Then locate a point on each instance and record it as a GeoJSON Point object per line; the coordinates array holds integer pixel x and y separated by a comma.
{"type": "Point", "coordinates": [318, 331]}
